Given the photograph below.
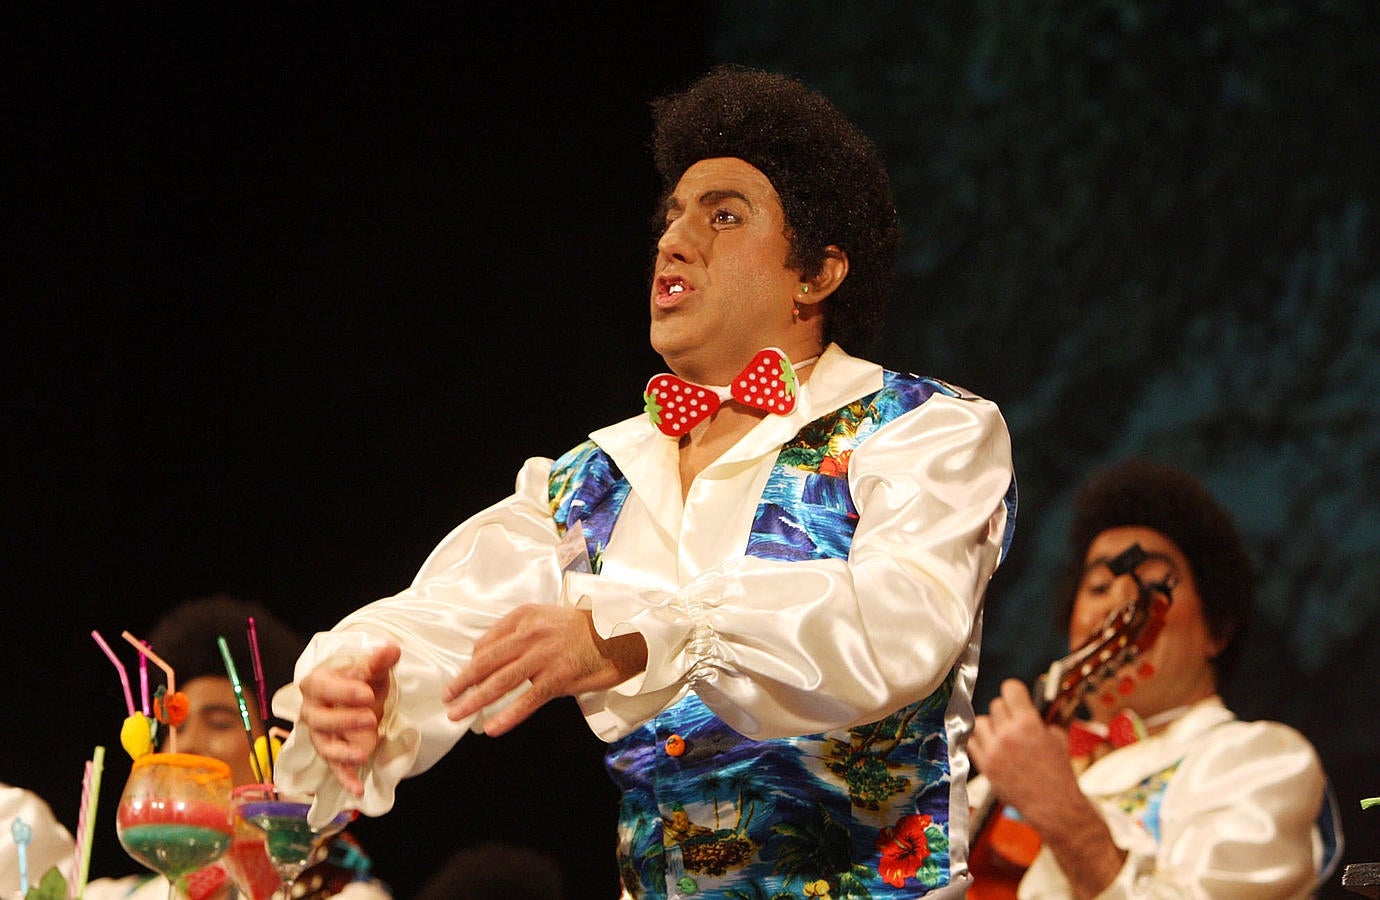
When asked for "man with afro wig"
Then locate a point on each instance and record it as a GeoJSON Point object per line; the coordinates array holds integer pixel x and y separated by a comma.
{"type": "Point", "coordinates": [764, 590]}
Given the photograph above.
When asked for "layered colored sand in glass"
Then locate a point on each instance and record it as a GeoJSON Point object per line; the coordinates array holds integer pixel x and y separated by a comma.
{"type": "Point", "coordinates": [174, 838]}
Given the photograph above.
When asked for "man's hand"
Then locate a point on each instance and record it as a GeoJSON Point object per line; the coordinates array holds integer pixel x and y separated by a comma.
{"type": "Point", "coordinates": [1023, 757]}
{"type": "Point", "coordinates": [343, 708]}
{"type": "Point", "coordinates": [1027, 762]}
{"type": "Point", "coordinates": [556, 649]}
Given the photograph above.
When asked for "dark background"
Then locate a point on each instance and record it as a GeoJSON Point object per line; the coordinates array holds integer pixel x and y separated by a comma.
{"type": "Point", "coordinates": [290, 294]}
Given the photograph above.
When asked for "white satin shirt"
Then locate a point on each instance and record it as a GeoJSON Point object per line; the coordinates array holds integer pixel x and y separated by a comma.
{"type": "Point", "coordinates": [1237, 819]}
{"type": "Point", "coordinates": [773, 648]}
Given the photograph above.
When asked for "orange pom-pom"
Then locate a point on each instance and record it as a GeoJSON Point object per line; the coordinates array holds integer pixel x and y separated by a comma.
{"type": "Point", "coordinates": [171, 709]}
{"type": "Point", "coordinates": [178, 708]}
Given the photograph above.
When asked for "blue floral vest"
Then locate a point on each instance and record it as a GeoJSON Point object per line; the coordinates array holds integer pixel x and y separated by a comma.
{"type": "Point", "coordinates": [706, 812]}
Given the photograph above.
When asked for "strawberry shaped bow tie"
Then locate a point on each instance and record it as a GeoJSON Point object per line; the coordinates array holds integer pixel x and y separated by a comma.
{"type": "Point", "coordinates": [675, 405]}
{"type": "Point", "coordinates": [1086, 737]}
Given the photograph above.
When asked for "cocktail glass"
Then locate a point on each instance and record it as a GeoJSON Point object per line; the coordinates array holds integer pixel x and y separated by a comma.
{"type": "Point", "coordinates": [291, 841]}
{"type": "Point", "coordinates": [248, 865]}
{"type": "Point", "coordinates": [175, 814]}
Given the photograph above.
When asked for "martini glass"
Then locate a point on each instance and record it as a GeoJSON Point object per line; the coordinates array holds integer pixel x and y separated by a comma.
{"type": "Point", "coordinates": [175, 814]}
{"type": "Point", "coordinates": [290, 840]}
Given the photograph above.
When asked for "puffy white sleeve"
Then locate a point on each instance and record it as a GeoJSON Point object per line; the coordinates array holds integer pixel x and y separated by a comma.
{"type": "Point", "coordinates": [1237, 822]}
{"type": "Point", "coordinates": [499, 558]}
{"type": "Point", "coordinates": [784, 648]}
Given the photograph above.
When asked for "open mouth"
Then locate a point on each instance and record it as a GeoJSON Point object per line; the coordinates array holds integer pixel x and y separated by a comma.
{"type": "Point", "coordinates": [670, 289]}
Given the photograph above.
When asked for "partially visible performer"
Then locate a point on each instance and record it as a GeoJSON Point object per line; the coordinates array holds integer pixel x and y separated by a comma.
{"type": "Point", "coordinates": [185, 636]}
{"type": "Point", "coordinates": [1176, 796]}
{"type": "Point", "coordinates": [777, 631]}
{"type": "Point", "coordinates": [27, 820]}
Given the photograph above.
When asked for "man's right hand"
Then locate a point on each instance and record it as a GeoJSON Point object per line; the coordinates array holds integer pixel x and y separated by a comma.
{"type": "Point", "coordinates": [1027, 762]}
{"type": "Point", "coordinates": [342, 707]}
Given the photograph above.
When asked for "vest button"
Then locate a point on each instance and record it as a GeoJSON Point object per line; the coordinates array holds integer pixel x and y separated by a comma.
{"type": "Point", "coordinates": [675, 745]}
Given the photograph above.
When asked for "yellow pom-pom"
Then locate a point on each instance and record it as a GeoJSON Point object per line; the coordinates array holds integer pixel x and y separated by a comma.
{"type": "Point", "coordinates": [261, 761]}
{"type": "Point", "coordinates": [136, 735]}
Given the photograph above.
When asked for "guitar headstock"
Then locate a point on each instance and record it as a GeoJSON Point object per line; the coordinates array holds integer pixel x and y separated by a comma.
{"type": "Point", "coordinates": [1124, 635]}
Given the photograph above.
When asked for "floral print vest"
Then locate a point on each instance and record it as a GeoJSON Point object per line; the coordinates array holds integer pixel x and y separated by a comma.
{"type": "Point", "coordinates": [708, 813]}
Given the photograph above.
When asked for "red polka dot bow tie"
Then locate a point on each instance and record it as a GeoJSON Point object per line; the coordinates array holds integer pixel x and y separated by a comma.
{"type": "Point", "coordinates": [1086, 738]}
{"type": "Point", "coordinates": [675, 405]}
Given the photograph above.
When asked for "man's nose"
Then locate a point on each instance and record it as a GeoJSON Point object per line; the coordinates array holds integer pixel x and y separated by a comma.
{"type": "Point", "coordinates": [189, 741]}
{"type": "Point", "coordinates": [678, 241]}
{"type": "Point", "coordinates": [1124, 590]}
{"type": "Point", "coordinates": [1120, 593]}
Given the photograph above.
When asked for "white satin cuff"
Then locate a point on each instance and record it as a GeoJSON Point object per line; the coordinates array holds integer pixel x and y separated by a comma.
{"type": "Point", "coordinates": [500, 557]}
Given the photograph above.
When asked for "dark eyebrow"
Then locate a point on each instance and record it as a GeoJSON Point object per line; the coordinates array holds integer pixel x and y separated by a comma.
{"type": "Point", "coordinates": [1106, 561]}
{"type": "Point", "coordinates": [670, 204]}
{"type": "Point", "coordinates": [709, 198]}
{"type": "Point", "coordinates": [219, 707]}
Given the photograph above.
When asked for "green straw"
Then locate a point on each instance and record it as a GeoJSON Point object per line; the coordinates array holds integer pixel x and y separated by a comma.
{"type": "Point", "coordinates": [239, 700]}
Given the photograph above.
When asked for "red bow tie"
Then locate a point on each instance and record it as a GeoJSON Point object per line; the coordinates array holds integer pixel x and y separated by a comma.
{"type": "Point", "coordinates": [767, 383]}
{"type": "Point", "coordinates": [1087, 737]}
